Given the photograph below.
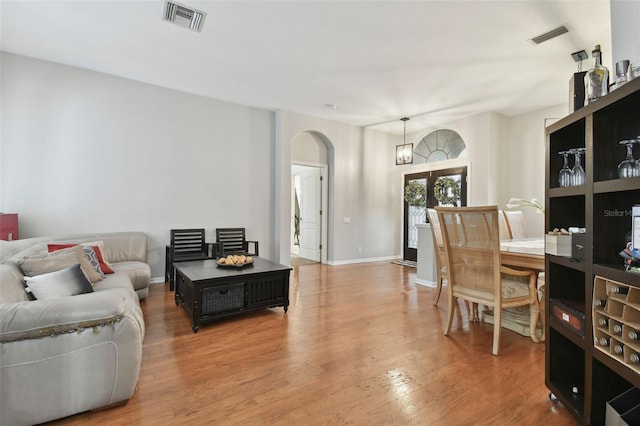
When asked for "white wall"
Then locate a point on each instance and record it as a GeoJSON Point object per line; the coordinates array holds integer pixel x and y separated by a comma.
{"type": "Point", "coordinates": [87, 152]}
{"type": "Point", "coordinates": [361, 165]}
{"type": "Point", "coordinates": [524, 161]}
{"type": "Point", "coordinates": [625, 33]}
{"type": "Point", "coordinates": [481, 135]}
{"type": "Point", "coordinates": [505, 156]}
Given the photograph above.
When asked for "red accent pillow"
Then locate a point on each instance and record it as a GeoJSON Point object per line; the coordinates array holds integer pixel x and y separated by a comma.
{"type": "Point", "coordinates": [103, 265]}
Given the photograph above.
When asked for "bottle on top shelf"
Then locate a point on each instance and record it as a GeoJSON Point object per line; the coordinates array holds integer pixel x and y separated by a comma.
{"type": "Point", "coordinates": [596, 81]}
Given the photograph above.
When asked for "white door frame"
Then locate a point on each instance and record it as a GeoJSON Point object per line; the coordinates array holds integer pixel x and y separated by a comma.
{"type": "Point", "coordinates": [324, 202]}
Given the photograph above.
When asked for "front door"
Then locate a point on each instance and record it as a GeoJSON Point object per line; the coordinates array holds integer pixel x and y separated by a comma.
{"type": "Point", "coordinates": [415, 207]}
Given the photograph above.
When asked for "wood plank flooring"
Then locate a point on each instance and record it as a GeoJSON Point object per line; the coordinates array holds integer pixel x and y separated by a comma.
{"type": "Point", "coordinates": [361, 344]}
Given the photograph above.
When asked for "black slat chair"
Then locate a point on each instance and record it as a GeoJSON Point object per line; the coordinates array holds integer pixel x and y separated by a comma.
{"type": "Point", "coordinates": [233, 241]}
{"type": "Point", "coordinates": [186, 244]}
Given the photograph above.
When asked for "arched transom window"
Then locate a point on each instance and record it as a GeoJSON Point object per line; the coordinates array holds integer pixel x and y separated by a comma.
{"type": "Point", "coordinates": [442, 144]}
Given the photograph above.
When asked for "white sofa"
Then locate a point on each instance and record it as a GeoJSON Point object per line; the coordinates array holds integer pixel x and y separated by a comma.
{"type": "Point", "coordinates": [65, 355]}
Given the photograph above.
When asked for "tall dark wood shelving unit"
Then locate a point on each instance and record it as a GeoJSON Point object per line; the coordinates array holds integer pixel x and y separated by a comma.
{"type": "Point", "coordinates": [571, 359]}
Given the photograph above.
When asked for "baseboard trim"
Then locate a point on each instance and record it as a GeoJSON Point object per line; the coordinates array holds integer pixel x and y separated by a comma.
{"type": "Point", "coordinates": [157, 280]}
{"type": "Point", "coordinates": [425, 283]}
{"type": "Point", "coordinates": [351, 261]}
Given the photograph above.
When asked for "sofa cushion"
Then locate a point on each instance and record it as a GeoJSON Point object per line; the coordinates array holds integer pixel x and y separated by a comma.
{"type": "Point", "coordinates": [65, 282]}
{"type": "Point", "coordinates": [117, 280]}
{"type": "Point", "coordinates": [138, 272]}
{"type": "Point", "coordinates": [95, 256]}
{"type": "Point", "coordinates": [43, 263]}
{"type": "Point", "coordinates": [11, 284]}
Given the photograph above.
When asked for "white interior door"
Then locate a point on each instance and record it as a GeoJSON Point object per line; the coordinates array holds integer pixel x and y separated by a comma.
{"type": "Point", "coordinates": [310, 219]}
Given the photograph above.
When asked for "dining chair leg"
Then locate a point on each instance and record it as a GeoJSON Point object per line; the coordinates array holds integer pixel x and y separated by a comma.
{"type": "Point", "coordinates": [534, 316]}
{"type": "Point", "coordinates": [534, 307]}
{"type": "Point", "coordinates": [542, 321]}
{"type": "Point", "coordinates": [497, 327]}
{"type": "Point", "coordinates": [452, 307]}
{"type": "Point", "coordinates": [438, 291]}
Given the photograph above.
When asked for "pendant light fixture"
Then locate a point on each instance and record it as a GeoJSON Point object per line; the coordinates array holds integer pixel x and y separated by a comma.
{"type": "Point", "coordinates": [404, 152]}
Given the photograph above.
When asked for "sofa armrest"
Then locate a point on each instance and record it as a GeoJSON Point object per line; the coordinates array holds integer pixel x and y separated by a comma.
{"type": "Point", "coordinates": [41, 318]}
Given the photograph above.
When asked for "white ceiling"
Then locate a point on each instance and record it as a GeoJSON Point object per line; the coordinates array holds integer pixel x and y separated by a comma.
{"type": "Point", "coordinates": [378, 61]}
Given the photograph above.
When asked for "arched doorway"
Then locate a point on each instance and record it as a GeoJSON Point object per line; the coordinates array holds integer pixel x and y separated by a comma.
{"type": "Point", "coordinates": [310, 157]}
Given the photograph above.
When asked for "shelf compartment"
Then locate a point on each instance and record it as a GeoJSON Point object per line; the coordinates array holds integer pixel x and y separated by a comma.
{"type": "Point", "coordinates": [566, 363]}
{"type": "Point", "coordinates": [612, 224]}
{"type": "Point", "coordinates": [565, 283]}
{"type": "Point", "coordinates": [607, 379]}
{"type": "Point", "coordinates": [571, 136]}
{"type": "Point", "coordinates": [611, 124]}
{"type": "Point", "coordinates": [565, 212]}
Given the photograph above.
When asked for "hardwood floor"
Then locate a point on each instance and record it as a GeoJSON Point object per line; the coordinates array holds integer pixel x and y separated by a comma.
{"type": "Point", "coordinates": [361, 344]}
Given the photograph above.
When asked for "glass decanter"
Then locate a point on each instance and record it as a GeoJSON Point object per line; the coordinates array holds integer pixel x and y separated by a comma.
{"type": "Point", "coordinates": [596, 80]}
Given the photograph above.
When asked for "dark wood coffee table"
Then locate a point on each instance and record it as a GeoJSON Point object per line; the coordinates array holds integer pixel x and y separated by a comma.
{"type": "Point", "coordinates": [209, 292]}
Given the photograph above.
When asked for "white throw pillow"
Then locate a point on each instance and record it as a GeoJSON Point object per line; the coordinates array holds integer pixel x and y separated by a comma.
{"type": "Point", "coordinates": [65, 282]}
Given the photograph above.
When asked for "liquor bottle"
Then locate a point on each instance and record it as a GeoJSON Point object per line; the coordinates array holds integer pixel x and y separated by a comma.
{"type": "Point", "coordinates": [602, 322]}
{"type": "Point", "coordinates": [633, 335]}
{"type": "Point", "coordinates": [599, 303]}
{"type": "Point", "coordinates": [575, 391]}
{"type": "Point", "coordinates": [619, 290]}
{"type": "Point", "coordinates": [634, 358]}
{"type": "Point", "coordinates": [603, 341]}
{"type": "Point", "coordinates": [596, 81]}
{"type": "Point", "coordinates": [617, 349]}
{"type": "Point", "coordinates": [617, 329]}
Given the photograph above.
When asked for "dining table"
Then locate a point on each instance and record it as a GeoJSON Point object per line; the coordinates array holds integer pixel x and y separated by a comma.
{"type": "Point", "coordinates": [523, 253]}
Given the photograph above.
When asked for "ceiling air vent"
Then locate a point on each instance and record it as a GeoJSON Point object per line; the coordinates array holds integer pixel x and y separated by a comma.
{"type": "Point", "coordinates": [549, 35]}
{"type": "Point", "coordinates": [184, 16]}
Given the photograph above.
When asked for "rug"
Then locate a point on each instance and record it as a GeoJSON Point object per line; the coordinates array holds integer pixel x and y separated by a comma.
{"type": "Point", "coordinates": [409, 263]}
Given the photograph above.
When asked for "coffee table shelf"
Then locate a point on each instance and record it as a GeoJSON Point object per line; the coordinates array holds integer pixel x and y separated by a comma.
{"type": "Point", "coordinates": [209, 293]}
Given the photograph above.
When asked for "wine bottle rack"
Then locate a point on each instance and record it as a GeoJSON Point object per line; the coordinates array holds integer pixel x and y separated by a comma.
{"type": "Point", "coordinates": [617, 317]}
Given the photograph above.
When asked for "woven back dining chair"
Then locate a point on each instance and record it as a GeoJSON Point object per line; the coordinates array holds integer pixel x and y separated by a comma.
{"type": "Point", "coordinates": [474, 271]}
{"type": "Point", "coordinates": [517, 224]}
{"type": "Point", "coordinates": [503, 225]}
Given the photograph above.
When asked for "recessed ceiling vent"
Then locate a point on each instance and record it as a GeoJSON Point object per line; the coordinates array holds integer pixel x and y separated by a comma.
{"type": "Point", "coordinates": [184, 16]}
{"type": "Point", "coordinates": [549, 35]}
